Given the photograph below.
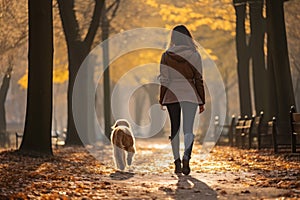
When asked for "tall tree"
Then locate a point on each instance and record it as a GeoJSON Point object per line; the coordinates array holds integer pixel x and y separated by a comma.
{"type": "Point", "coordinates": [78, 49]}
{"type": "Point", "coordinates": [105, 25]}
{"type": "Point", "coordinates": [242, 58]}
{"type": "Point", "coordinates": [37, 132]}
{"type": "Point", "coordinates": [257, 25]}
{"type": "Point", "coordinates": [4, 137]}
{"type": "Point", "coordinates": [278, 63]}
{"type": "Point", "coordinates": [3, 94]}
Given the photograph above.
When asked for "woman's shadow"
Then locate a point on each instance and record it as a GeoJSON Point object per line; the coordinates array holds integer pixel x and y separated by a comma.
{"type": "Point", "coordinates": [189, 187]}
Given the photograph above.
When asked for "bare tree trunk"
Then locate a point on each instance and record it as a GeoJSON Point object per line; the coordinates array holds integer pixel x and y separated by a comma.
{"type": "Point", "coordinates": [77, 51]}
{"type": "Point", "coordinates": [37, 133]}
{"type": "Point", "coordinates": [272, 85]}
{"type": "Point", "coordinates": [279, 62]}
{"type": "Point", "coordinates": [257, 53]}
{"type": "Point", "coordinates": [3, 94]}
{"type": "Point", "coordinates": [243, 59]}
{"type": "Point", "coordinates": [106, 77]}
{"type": "Point", "coordinates": [4, 137]}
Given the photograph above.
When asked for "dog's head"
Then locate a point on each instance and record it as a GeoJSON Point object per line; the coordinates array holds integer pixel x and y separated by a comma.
{"type": "Point", "coordinates": [121, 122]}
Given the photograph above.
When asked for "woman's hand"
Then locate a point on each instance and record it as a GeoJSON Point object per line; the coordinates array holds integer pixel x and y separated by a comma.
{"type": "Point", "coordinates": [162, 107]}
{"type": "Point", "coordinates": [201, 108]}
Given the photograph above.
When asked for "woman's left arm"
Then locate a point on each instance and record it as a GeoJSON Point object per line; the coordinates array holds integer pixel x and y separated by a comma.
{"type": "Point", "coordinates": [163, 78]}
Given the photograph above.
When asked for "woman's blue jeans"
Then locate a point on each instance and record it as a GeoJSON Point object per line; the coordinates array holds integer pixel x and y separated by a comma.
{"type": "Point", "coordinates": [188, 116]}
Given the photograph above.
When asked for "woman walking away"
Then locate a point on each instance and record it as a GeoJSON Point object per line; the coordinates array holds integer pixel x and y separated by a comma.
{"type": "Point", "coordinates": [181, 90]}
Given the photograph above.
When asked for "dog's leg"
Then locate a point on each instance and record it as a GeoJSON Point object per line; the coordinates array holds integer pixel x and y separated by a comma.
{"type": "Point", "coordinates": [123, 159]}
{"type": "Point", "coordinates": [130, 154]}
{"type": "Point", "coordinates": [119, 157]}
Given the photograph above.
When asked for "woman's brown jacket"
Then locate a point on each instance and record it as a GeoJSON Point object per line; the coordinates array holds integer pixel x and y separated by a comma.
{"type": "Point", "coordinates": [181, 76]}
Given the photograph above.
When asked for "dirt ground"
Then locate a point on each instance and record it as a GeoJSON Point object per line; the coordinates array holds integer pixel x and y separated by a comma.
{"type": "Point", "coordinates": [225, 173]}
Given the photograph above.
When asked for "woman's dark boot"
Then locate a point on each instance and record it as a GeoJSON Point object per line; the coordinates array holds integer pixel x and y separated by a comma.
{"type": "Point", "coordinates": [177, 166]}
{"type": "Point", "coordinates": [186, 167]}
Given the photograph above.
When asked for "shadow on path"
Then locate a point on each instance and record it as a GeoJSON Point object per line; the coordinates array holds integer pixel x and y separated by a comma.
{"type": "Point", "coordinates": [119, 175]}
{"type": "Point", "coordinates": [189, 187]}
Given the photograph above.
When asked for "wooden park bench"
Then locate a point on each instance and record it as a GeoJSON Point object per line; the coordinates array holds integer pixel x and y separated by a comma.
{"type": "Point", "coordinates": [295, 125]}
{"type": "Point", "coordinates": [266, 134]}
{"type": "Point", "coordinates": [249, 132]}
{"type": "Point", "coordinates": [227, 131]}
{"type": "Point", "coordinates": [271, 136]}
{"type": "Point", "coordinates": [242, 132]}
{"type": "Point", "coordinates": [256, 130]}
{"type": "Point", "coordinates": [281, 141]}
{"type": "Point", "coordinates": [238, 131]}
{"type": "Point", "coordinates": [231, 131]}
{"type": "Point", "coordinates": [239, 134]}
{"type": "Point", "coordinates": [246, 131]}
{"type": "Point", "coordinates": [58, 136]}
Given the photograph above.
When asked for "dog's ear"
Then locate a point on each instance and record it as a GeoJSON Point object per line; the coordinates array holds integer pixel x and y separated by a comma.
{"type": "Point", "coordinates": [115, 125]}
{"type": "Point", "coordinates": [124, 122]}
{"type": "Point", "coordinates": [127, 124]}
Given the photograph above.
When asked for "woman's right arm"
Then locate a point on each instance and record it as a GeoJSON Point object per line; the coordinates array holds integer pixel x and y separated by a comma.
{"type": "Point", "coordinates": [199, 79]}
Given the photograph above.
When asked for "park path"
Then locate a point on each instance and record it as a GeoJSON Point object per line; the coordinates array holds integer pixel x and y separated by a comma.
{"type": "Point", "coordinates": [226, 173]}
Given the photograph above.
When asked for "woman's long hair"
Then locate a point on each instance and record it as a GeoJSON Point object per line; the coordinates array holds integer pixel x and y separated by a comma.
{"type": "Point", "coordinates": [181, 36]}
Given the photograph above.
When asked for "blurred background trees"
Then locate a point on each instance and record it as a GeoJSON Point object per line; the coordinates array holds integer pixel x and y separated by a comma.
{"type": "Point", "coordinates": [213, 25]}
{"type": "Point", "coordinates": [4, 137]}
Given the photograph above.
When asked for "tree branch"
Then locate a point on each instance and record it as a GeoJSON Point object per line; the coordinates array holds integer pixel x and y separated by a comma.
{"type": "Point", "coordinates": [68, 18]}
{"type": "Point", "coordinates": [111, 6]}
{"type": "Point", "coordinates": [94, 22]}
{"type": "Point", "coordinates": [19, 41]}
{"type": "Point", "coordinates": [116, 6]}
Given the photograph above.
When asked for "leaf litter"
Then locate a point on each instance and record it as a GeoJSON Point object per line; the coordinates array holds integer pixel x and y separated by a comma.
{"type": "Point", "coordinates": [73, 173]}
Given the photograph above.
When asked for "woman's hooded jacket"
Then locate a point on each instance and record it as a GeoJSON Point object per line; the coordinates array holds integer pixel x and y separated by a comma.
{"type": "Point", "coordinates": [181, 76]}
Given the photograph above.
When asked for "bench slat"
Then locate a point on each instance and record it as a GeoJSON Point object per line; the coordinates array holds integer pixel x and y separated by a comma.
{"type": "Point", "coordinates": [295, 124]}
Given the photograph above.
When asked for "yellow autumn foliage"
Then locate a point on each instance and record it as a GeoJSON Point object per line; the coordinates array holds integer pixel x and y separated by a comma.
{"type": "Point", "coordinates": [219, 16]}
{"type": "Point", "coordinates": [133, 59]}
{"type": "Point", "coordinates": [211, 55]}
{"type": "Point", "coordinates": [23, 81]}
{"type": "Point", "coordinates": [60, 75]}
{"type": "Point", "coordinates": [60, 71]}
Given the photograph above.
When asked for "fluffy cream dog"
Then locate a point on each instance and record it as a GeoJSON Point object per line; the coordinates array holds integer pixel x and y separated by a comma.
{"type": "Point", "coordinates": [122, 140]}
